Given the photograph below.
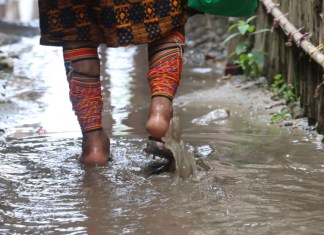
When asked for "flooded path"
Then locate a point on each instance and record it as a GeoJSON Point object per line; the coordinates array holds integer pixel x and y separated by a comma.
{"type": "Point", "coordinates": [254, 178]}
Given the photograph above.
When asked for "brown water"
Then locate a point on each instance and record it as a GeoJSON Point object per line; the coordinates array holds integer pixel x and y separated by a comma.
{"type": "Point", "coordinates": [252, 178]}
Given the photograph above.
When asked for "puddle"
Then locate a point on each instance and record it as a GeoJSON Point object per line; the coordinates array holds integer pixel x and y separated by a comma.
{"type": "Point", "coordinates": [256, 179]}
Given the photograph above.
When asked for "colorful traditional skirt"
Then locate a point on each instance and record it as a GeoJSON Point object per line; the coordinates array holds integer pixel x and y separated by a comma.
{"type": "Point", "coordinates": [113, 22]}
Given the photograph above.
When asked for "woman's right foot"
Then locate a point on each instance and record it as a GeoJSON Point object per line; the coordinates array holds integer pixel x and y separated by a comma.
{"type": "Point", "coordinates": [95, 148]}
{"type": "Point", "coordinates": [161, 112]}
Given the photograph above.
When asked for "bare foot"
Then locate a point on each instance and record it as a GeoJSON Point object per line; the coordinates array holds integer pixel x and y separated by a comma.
{"type": "Point", "coordinates": [160, 114]}
{"type": "Point", "coordinates": [95, 148]}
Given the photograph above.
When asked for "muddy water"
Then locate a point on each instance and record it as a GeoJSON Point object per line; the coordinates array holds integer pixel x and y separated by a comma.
{"type": "Point", "coordinates": [253, 178]}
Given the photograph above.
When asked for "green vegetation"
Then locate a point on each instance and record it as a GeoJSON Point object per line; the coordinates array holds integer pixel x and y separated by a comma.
{"type": "Point", "coordinates": [250, 59]}
{"type": "Point", "coordinates": [283, 90]}
{"type": "Point", "coordinates": [280, 116]}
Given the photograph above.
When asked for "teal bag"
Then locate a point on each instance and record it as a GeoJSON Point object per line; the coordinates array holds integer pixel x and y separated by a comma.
{"type": "Point", "coordinates": [235, 8]}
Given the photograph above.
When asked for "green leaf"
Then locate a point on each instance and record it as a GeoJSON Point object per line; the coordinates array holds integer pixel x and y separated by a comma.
{"type": "Point", "coordinates": [261, 31]}
{"type": "Point", "coordinates": [242, 22]}
{"type": "Point", "coordinates": [233, 53]}
{"type": "Point", "coordinates": [243, 28]}
{"type": "Point", "coordinates": [230, 37]}
{"type": "Point", "coordinates": [251, 29]}
{"type": "Point", "coordinates": [240, 48]}
{"type": "Point", "coordinates": [259, 57]}
{"type": "Point", "coordinates": [233, 26]}
{"type": "Point", "coordinates": [250, 19]}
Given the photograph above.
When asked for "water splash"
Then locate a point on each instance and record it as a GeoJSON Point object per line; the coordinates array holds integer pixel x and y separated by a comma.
{"type": "Point", "coordinates": [184, 165]}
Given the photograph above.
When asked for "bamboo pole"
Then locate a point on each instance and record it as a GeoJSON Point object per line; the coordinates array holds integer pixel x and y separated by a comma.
{"type": "Point", "coordinates": [293, 33]}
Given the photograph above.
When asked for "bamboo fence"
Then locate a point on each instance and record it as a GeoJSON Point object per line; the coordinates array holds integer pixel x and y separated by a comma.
{"type": "Point", "coordinates": [295, 50]}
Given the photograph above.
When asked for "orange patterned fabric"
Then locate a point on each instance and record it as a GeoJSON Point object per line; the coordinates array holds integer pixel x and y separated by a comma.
{"type": "Point", "coordinates": [113, 22]}
{"type": "Point", "coordinates": [87, 104]}
{"type": "Point", "coordinates": [165, 68]}
{"type": "Point", "coordinates": [85, 92]}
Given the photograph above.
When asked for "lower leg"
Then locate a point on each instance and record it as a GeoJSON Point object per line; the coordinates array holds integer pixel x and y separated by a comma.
{"type": "Point", "coordinates": [83, 69]}
{"type": "Point", "coordinates": [165, 57]}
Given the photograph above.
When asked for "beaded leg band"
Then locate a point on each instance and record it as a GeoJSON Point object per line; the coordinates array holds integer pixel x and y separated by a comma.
{"type": "Point", "coordinates": [165, 65]}
{"type": "Point", "coordinates": [85, 89]}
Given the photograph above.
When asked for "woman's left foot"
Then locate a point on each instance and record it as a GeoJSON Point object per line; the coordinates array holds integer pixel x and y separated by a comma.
{"type": "Point", "coordinates": [95, 148]}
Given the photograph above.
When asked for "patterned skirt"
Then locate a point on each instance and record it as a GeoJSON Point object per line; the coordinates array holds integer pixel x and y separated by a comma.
{"type": "Point", "coordinates": [113, 22]}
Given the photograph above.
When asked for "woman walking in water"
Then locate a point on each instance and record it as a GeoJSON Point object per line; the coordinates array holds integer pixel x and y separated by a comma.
{"type": "Point", "coordinates": [79, 26]}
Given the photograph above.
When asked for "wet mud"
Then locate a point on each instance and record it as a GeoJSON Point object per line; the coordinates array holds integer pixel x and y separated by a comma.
{"type": "Point", "coordinates": [251, 177]}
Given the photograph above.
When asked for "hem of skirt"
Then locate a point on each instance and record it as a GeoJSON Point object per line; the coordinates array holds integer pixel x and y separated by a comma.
{"type": "Point", "coordinates": [46, 42]}
{"type": "Point", "coordinates": [54, 42]}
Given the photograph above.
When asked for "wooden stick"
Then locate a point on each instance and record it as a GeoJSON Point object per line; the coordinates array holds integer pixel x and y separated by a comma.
{"type": "Point", "coordinates": [293, 33]}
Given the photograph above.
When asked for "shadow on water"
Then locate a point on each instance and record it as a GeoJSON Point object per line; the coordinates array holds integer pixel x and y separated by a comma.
{"type": "Point", "coordinates": [254, 179]}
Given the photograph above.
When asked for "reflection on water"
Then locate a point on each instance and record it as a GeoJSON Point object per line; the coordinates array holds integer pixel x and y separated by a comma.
{"type": "Point", "coordinates": [21, 10]}
{"type": "Point", "coordinates": [119, 68]}
{"type": "Point", "coordinates": [33, 83]}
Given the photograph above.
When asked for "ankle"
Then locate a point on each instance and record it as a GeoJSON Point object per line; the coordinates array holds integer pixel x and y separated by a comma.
{"type": "Point", "coordinates": [92, 135]}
